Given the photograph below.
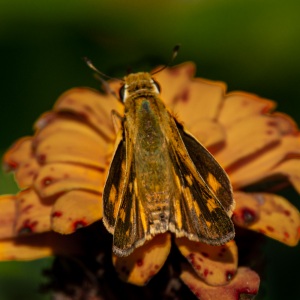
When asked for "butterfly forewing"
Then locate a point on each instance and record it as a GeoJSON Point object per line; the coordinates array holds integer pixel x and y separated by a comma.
{"type": "Point", "coordinates": [112, 194]}
{"type": "Point", "coordinates": [209, 169]}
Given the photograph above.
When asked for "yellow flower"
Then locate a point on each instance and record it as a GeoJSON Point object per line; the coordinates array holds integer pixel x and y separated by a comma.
{"type": "Point", "coordinates": [62, 168]}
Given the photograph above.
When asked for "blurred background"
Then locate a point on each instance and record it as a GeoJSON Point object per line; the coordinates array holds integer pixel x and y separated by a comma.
{"type": "Point", "coordinates": [251, 45]}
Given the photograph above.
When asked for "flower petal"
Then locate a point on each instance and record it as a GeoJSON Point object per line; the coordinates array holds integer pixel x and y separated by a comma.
{"type": "Point", "coordinates": [68, 140]}
{"type": "Point", "coordinates": [39, 245]}
{"type": "Point", "coordinates": [92, 106]}
{"type": "Point", "coordinates": [208, 133]}
{"type": "Point", "coordinates": [289, 168]}
{"type": "Point", "coordinates": [269, 214]}
{"type": "Point", "coordinates": [141, 265]}
{"type": "Point", "coordinates": [258, 165]}
{"type": "Point", "coordinates": [8, 209]}
{"type": "Point", "coordinates": [238, 106]}
{"type": "Point", "coordinates": [55, 178]}
{"type": "Point", "coordinates": [193, 105]}
{"type": "Point", "coordinates": [33, 215]}
{"type": "Point", "coordinates": [174, 82]}
{"type": "Point", "coordinates": [245, 281]}
{"type": "Point", "coordinates": [11, 250]}
{"type": "Point", "coordinates": [74, 210]}
{"type": "Point", "coordinates": [247, 137]}
{"type": "Point", "coordinates": [216, 265]}
{"type": "Point", "coordinates": [19, 158]}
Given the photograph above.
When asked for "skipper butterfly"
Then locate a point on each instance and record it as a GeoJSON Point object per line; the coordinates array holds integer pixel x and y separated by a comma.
{"type": "Point", "coordinates": [161, 178]}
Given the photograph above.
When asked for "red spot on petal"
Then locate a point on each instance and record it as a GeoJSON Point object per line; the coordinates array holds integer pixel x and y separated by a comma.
{"type": "Point", "coordinates": [198, 267]}
{"type": "Point", "coordinates": [270, 228]}
{"type": "Point", "coordinates": [11, 165]}
{"type": "Point", "coordinates": [140, 262]}
{"type": "Point", "coordinates": [57, 214]}
{"type": "Point", "coordinates": [88, 108]}
{"type": "Point", "coordinates": [287, 212]}
{"type": "Point", "coordinates": [31, 173]}
{"type": "Point", "coordinates": [185, 96]}
{"type": "Point", "coordinates": [156, 267]}
{"type": "Point", "coordinates": [191, 257]}
{"type": "Point", "coordinates": [245, 216]}
{"type": "Point", "coordinates": [272, 123]}
{"type": "Point", "coordinates": [205, 254]}
{"type": "Point", "coordinates": [46, 181]}
{"type": "Point", "coordinates": [83, 116]}
{"type": "Point", "coordinates": [229, 275]}
{"type": "Point", "coordinates": [174, 71]}
{"type": "Point", "coordinates": [27, 207]}
{"type": "Point", "coordinates": [79, 224]}
{"type": "Point", "coordinates": [27, 227]}
{"type": "Point", "coordinates": [41, 158]}
{"type": "Point", "coordinates": [205, 273]}
{"type": "Point", "coordinates": [69, 101]}
{"type": "Point", "coordinates": [286, 234]}
{"type": "Point", "coordinates": [262, 231]}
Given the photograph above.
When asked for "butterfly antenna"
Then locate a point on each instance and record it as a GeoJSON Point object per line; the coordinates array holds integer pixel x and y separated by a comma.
{"type": "Point", "coordinates": [99, 76]}
{"type": "Point", "coordinates": [91, 66]}
{"type": "Point", "coordinates": [174, 54]}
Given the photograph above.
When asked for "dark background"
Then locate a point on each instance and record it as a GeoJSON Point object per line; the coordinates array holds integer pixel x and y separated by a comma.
{"type": "Point", "coordinates": [252, 45]}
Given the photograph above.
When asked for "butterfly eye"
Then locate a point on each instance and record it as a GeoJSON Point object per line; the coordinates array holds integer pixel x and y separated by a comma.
{"type": "Point", "coordinates": [122, 93]}
{"type": "Point", "coordinates": [157, 86]}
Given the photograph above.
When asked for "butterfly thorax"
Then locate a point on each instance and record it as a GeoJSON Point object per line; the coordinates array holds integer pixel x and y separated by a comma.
{"type": "Point", "coordinates": [138, 85]}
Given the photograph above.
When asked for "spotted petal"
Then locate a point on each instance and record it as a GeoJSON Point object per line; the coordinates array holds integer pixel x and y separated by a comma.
{"type": "Point", "coordinates": [66, 139]}
{"type": "Point", "coordinates": [245, 282]}
{"type": "Point", "coordinates": [92, 107]}
{"type": "Point", "coordinates": [269, 214]}
{"type": "Point", "coordinates": [76, 209]}
{"type": "Point", "coordinates": [216, 265]}
{"type": "Point", "coordinates": [20, 159]}
{"type": "Point", "coordinates": [56, 178]}
{"type": "Point", "coordinates": [140, 266]}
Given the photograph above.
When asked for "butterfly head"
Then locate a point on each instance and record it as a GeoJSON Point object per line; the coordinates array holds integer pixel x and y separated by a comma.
{"type": "Point", "coordinates": [138, 84]}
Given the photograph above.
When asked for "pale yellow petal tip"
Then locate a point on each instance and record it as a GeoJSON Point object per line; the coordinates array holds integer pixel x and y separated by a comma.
{"type": "Point", "coordinates": [140, 266]}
